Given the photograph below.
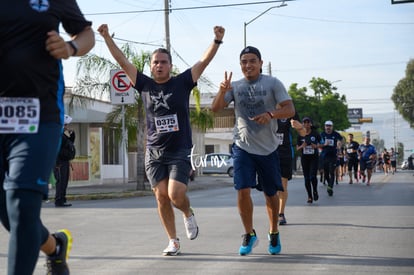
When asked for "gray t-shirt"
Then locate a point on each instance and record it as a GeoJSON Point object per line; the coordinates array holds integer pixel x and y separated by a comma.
{"type": "Point", "coordinates": [252, 98]}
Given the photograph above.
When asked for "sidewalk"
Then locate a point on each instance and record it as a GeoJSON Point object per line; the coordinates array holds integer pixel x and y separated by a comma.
{"type": "Point", "coordinates": [110, 190]}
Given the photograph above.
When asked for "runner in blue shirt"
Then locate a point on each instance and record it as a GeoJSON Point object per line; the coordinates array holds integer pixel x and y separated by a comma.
{"type": "Point", "coordinates": [367, 157]}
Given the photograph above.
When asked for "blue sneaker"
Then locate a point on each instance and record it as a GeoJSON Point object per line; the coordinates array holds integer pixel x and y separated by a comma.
{"type": "Point", "coordinates": [274, 243]}
{"type": "Point", "coordinates": [250, 240]}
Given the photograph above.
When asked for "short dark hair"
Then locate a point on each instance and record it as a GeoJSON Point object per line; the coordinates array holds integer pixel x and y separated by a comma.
{"type": "Point", "coordinates": [163, 50]}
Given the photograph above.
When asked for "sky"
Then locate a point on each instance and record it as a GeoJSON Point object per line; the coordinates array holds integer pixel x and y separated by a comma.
{"type": "Point", "coordinates": [361, 46]}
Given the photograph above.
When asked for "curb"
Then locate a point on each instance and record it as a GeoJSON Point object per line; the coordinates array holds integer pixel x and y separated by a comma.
{"type": "Point", "coordinates": [113, 195]}
{"type": "Point", "coordinates": [132, 193]}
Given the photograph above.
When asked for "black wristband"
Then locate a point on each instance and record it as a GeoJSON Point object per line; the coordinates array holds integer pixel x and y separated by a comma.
{"type": "Point", "coordinates": [218, 42]}
{"type": "Point", "coordinates": [270, 114]}
{"type": "Point", "coordinates": [74, 47]}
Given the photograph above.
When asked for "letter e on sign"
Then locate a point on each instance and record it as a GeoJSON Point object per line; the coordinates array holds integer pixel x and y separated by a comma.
{"type": "Point", "coordinates": [122, 91]}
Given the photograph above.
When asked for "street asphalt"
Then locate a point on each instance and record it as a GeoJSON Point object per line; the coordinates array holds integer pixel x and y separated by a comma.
{"type": "Point", "coordinates": [361, 230]}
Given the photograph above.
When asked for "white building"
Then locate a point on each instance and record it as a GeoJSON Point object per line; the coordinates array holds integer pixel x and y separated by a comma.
{"type": "Point", "coordinates": [100, 156]}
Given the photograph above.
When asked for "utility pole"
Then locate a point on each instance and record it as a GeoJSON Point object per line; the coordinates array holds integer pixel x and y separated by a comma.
{"type": "Point", "coordinates": [167, 24]}
{"type": "Point", "coordinates": [270, 68]}
{"type": "Point", "coordinates": [395, 131]}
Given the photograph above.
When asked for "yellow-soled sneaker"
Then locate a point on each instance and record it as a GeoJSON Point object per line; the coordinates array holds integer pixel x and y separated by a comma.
{"type": "Point", "coordinates": [57, 263]}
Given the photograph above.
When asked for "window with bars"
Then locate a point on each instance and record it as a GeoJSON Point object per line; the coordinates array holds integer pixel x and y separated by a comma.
{"type": "Point", "coordinates": [111, 146]}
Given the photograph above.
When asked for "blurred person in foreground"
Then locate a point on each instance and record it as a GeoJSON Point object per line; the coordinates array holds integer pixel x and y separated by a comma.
{"type": "Point", "coordinates": [32, 89]}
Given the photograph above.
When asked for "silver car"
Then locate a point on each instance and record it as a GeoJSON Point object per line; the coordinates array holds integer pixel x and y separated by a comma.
{"type": "Point", "coordinates": [218, 163]}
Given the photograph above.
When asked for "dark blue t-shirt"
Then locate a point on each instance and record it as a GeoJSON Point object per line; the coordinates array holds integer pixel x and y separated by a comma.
{"type": "Point", "coordinates": [167, 110]}
{"type": "Point", "coordinates": [312, 138]}
{"type": "Point", "coordinates": [284, 133]}
{"type": "Point", "coordinates": [333, 138]}
{"type": "Point", "coordinates": [351, 149]}
{"type": "Point", "coordinates": [26, 67]}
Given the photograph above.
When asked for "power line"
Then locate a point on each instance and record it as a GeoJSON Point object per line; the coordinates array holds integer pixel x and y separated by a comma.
{"type": "Point", "coordinates": [248, 4]}
{"type": "Point", "coordinates": [190, 8]}
{"type": "Point", "coordinates": [136, 42]}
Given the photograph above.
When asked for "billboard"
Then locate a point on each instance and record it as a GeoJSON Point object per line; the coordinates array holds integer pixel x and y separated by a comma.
{"type": "Point", "coordinates": [354, 115]}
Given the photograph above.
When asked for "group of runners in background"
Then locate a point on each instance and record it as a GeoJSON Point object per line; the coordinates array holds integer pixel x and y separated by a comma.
{"type": "Point", "coordinates": [348, 162]}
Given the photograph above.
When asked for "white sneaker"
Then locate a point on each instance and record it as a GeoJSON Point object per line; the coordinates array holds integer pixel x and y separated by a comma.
{"type": "Point", "coordinates": [173, 248]}
{"type": "Point", "coordinates": [191, 227]}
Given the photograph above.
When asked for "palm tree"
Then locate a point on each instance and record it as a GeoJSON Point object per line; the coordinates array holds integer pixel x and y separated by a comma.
{"type": "Point", "coordinates": [94, 81]}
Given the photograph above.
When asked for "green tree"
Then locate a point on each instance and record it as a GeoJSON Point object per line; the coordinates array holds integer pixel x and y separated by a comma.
{"type": "Point", "coordinates": [403, 95]}
{"type": "Point", "coordinates": [201, 118]}
{"type": "Point", "coordinates": [300, 99]}
{"type": "Point", "coordinates": [324, 105]}
{"type": "Point", "coordinates": [400, 152]}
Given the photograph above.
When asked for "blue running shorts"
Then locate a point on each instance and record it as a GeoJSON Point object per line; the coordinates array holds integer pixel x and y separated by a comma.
{"type": "Point", "coordinates": [267, 168]}
{"type": "Point", "coordinates": [27, 159]}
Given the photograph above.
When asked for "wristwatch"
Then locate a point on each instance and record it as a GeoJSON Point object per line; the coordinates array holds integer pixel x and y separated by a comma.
{"type": "Point", "coordinates": [74, 46]}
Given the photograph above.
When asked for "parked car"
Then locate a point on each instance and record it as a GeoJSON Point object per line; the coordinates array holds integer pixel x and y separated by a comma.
{"type": "Point", "coordinates": [218, 163]}
{"type": "Point", "coordinates": [404, 165]}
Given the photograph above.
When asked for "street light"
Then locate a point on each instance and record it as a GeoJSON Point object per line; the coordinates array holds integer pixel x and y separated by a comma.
{"type": "Point", "coordinates": [247, 23]}
{"type": "Point", "coordinates": [332, 82]}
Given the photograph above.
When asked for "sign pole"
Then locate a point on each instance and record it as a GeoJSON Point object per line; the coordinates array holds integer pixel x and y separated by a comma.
{"type": "Point", "coordinates": [123, 143]}
{"type": "Point", "coordinates": [122, 93]}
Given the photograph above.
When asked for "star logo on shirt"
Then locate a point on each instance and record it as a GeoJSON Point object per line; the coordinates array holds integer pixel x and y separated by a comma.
{"type": "Point", "coordinates": [160, 100]}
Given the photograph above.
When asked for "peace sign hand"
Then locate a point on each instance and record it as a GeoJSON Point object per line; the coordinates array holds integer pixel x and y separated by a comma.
{"type": "Point", "coordinates": [225, 85]}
